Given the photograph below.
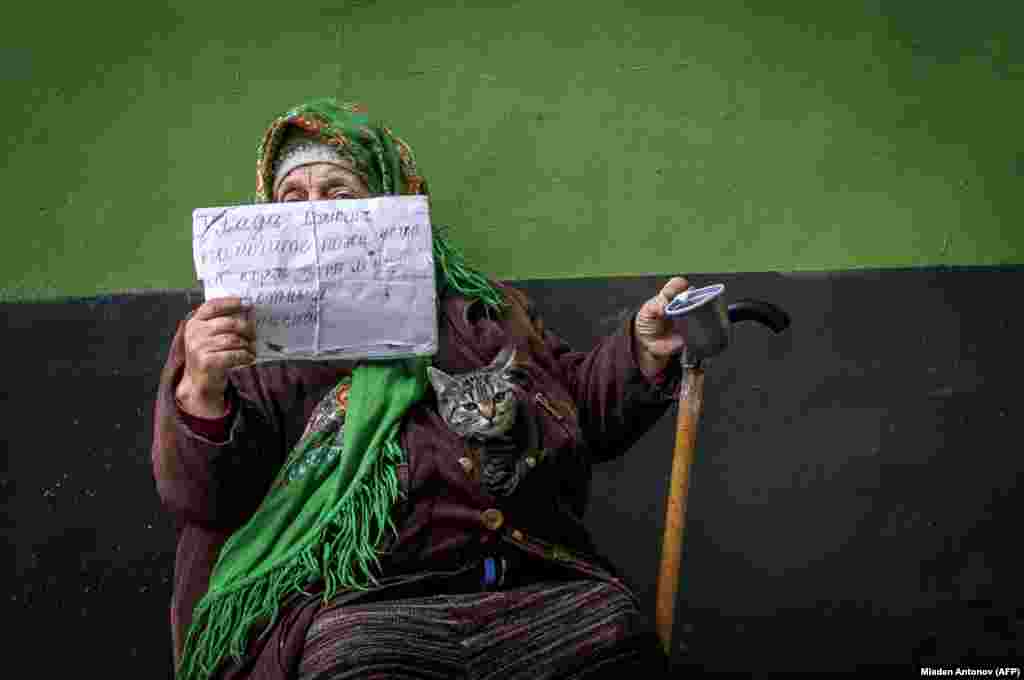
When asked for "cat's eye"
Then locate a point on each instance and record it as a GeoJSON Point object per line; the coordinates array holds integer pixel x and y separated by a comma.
{"type": "Point", "coordinates": [500, 397]}
{"type": "Point", "coordinates": [469, 406]}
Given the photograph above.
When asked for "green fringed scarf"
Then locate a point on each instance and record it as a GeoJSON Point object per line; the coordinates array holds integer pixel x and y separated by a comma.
{"type": "Point", "coordinates": [327, 524]}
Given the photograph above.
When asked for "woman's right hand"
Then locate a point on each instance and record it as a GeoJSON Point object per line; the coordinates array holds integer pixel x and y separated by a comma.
{"type": "Point", "coordinates": [218, 337]}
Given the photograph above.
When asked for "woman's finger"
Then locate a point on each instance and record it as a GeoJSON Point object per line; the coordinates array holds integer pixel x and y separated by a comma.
{"type": "Point", "coordinates": [228, 359]}
{"type": "Point", "coordinates": [674, 287]}
{"type": "Point", "coordinates": [234, 325]}
{"type": "Point", "coordinates": [223, 306]}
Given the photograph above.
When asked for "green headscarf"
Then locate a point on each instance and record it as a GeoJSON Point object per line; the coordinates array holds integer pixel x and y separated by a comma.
{"type": "Point", "coordinates": [328, 523]}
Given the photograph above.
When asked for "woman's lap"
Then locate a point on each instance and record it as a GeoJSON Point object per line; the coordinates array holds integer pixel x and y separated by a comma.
{"type": "Point", "coordinates": [575, 629]}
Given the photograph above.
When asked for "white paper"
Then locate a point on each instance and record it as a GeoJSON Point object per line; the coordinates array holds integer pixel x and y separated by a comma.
{"type": "Point", "coordinates": [349, 279]}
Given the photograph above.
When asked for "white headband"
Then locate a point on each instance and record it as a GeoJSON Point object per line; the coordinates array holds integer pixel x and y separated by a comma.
{"type": "Point", "coordinates": [302, 150]}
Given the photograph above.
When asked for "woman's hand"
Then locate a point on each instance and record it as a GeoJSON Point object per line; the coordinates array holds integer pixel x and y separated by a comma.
{"type": "Point", "coordinates": [655, 338]}
{"type": "Point", "coordinates": [218, 337]}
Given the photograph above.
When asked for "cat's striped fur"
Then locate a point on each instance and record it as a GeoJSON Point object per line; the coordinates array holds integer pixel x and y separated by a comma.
{"type": "Point", "coordinates": [479, 404]}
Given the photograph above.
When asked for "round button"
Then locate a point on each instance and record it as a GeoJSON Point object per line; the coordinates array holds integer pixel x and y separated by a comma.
{"type": "Point", "coordinates": [466, 464]}
{"type": "Point", "coordinates": [492, 518]}
{"type": "Point", "coordinates": [531, 461]}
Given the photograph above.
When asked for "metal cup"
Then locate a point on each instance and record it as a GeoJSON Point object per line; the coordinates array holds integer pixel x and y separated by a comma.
{"type": "Point", "coordinates": [701, 317]}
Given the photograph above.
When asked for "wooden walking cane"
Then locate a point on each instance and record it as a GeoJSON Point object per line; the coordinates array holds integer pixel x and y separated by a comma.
{"type": "Point", "coordinates": [705, 323]}
{"type": "Point", "coordinates": [691, 399]}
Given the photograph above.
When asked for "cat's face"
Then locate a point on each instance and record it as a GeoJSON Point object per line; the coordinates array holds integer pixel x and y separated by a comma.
{"type": "Point", "coordinates": [479, 403]}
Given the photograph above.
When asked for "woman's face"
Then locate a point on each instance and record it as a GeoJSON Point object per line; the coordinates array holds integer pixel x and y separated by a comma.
{"type": "Point", "coordinates": [321, 182]}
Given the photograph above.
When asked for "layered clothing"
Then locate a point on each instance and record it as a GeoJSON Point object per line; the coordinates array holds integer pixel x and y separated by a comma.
{"type": "Point", "coordinates": [336, 482]}
{"type": "Point", "coordinates": [591, 407]}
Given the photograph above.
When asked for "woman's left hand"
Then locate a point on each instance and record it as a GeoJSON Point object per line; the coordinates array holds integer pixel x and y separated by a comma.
{"type": "Point", "coordinates": [656, 339]}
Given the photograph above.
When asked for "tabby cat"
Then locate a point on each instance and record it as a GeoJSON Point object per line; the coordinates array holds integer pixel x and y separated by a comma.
{"type": "Point", "coordinates": [482, 406]}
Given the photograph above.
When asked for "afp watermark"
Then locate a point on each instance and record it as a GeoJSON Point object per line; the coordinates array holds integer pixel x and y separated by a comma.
{"type": "Point", "coordinates": [998, 672]}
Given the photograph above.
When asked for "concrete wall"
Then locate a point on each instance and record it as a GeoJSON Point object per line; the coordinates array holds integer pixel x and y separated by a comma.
{"type": "Point", "coordinates": [646, 138]}
{"type": "Point", "coordinates": [854, 502]}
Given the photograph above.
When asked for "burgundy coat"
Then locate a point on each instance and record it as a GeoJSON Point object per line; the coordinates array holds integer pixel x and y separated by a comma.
{"type": "Point", "coordinates": [590, 407]}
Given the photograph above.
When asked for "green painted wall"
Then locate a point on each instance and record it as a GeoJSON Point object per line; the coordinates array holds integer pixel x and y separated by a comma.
{"type": "Point", "coordinates": [561, 139]}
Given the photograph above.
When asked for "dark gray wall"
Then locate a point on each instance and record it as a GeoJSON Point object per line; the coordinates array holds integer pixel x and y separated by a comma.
{"type": "Point", "coordinates": [854, 502]}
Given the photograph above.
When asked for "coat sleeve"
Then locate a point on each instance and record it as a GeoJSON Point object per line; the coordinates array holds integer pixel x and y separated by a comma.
{"type": "Point", "coordinates": [616, 403]}
{"type": "Point", "coordinates": [220, 484]}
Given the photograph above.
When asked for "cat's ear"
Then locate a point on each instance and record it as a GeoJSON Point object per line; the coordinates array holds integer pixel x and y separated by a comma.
{"type": "Point", "coordinates": [440, 380]}
{"type": "Point", "coordinates": [510, 370]}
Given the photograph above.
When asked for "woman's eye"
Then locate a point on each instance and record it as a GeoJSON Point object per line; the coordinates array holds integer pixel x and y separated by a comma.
{"type": "Point", "coordinates": [292, 198]}
{"type": "Point", "coordinates": [470, 406]}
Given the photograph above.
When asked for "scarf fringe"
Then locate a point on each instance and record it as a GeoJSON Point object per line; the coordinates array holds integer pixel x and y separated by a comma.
{"type": "Point", "coordinates": [454, 273]}
{"type": "Point", "coordinates": [344, 557]}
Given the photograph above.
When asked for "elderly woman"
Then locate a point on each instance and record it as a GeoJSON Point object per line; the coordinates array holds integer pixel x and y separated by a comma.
{"type": "Point", "coordinates": [345, 519]}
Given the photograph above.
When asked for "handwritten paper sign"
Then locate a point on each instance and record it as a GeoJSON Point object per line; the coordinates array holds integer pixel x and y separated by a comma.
{"type": "Point", "coordinates": [348, 279]}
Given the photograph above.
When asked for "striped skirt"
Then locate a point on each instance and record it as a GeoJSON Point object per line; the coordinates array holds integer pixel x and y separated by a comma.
{"type": "Point", "coordinates": [575, 629]}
